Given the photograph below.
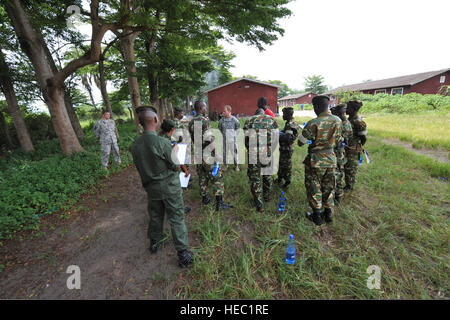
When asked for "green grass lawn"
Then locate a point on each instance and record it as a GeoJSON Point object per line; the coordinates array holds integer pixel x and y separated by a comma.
{"type": "Point", "coordinates": [424, 130]}
{"type": "Point", "coordinates": [397, 219]}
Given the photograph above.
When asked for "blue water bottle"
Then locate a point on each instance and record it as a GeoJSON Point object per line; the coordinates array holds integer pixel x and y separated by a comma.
{"type": "Point", "coordinates": [215, 169]}
{"type": "Point", "coordinates": [360, 159]}
{"type": "Point", "coordinates": [309, 142]}
{"type": "Point", "coordinates": [282, 202]}
{"type": "Point", "coordinates": [290, 250]}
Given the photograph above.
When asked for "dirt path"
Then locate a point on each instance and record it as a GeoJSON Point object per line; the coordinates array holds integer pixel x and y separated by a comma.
{"type": "Point", "coordinates": [107, 239]}
{"type": "Point", "coordinates": [438, 154]}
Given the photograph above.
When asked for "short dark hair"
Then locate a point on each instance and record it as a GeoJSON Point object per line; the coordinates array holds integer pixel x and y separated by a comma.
{"type": "Point", "coordinates": [167, 125]}
{"type": "Point", "coordinates": [197, 104]}
{"type": "Point", "coordinates": [142, 108]}
{"type": "Point", "coordinates": [288, 111]}
{"type": "Point", "coordinates": [321, 102]}
{"type": "Point", "coordinates": [262, 102]}
{"type": "Point", "coordinates": [105, 111]}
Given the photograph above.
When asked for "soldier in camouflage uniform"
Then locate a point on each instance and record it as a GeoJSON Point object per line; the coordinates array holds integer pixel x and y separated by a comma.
{"type": "Point", "coordinates": [260, 182]}
{"type": "Point", "coordinates": [287, 138]}
{"type": "Point", "coordinates": [347, 132]}
{"type": "Point", "coordinates": [105, 130]}
{"type": "Point", "coordinates": [204, 170]}
{"type": "Point", "coordinates": [355, 144]}
{"type": "Point", "coordinates": [322, 134]}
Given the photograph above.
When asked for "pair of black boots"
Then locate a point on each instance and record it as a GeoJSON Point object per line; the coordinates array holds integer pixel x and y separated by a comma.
{"type": "Point", "coordinates": [319, 216]}
{"type": "Point", "coordinates": [220, 205]}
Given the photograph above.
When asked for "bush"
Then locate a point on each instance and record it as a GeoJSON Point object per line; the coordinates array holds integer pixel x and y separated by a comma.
{"type": "Point", "coordinates": [42, 182]}
{"type": "Point", "coordinates": [411, 102]}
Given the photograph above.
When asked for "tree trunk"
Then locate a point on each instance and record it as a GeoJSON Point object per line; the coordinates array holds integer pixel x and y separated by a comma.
{"type": "Point", "coordinates": [127, 43]}
{"type": "Point", "coordinates": [8, 90]}
{"type": "Point", "coordinates": [52, 88]}
{"type": "Point", "coordinates": [67, 100]}
{"type": "Point", "coordinates": [101, 71]}
{"type": "Point", "coordinates": [4, 127]}
{"type": "Point", "coordinates": [170, 109]}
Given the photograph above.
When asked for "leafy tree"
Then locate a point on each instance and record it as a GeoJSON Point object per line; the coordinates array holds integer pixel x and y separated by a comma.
{"type": "Point", "coordinates": [284, 90]}
{"type": "Point", "coordinates": [315, 84]}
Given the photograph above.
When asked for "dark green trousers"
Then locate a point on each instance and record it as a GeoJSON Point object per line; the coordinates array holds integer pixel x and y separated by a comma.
{"type": "Point", "coordinates": [174, 208]}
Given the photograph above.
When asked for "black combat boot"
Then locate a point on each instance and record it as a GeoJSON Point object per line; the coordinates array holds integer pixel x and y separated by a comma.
{"type": "Point", "coordinates": [206, 199]}
{"type": "Point", "coordinates": [221, 205]}
{"type": "Point", "coordinates": [185, 258]}
{"type": "Point", "coordinates": [337, 200]}
{"type": "Point", "coordinates": [315, 217]}
{"type": "Point", "coordinates": [155, 246]}
{"type": "Point", "coordinates": [327, 215]}
{"type": "Point", "coordinates": [286, 184]}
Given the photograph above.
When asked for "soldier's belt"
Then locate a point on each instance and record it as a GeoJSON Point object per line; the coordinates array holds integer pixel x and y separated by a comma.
{"type": "Point", "coordinates": [325, 150]}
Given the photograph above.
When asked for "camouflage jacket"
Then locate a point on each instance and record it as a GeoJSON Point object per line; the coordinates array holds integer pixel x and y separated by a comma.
{"type": "Point", "coordinates": [291, 127]}
{"type": "Point", "coordinates": [105, 130]}
{"type": "Point", "coordinates": [257, 123]}
{"type": "Point", "coordinates": [359, 129]}
{"type": "Point", "coordinates": [325, 133]}
{"type": "Point", "coordinates": [206, 125]}
{"type": "Point", "coordinates": [346, 135]}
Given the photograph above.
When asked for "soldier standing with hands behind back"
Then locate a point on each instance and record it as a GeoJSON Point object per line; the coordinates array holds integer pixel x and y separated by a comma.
{"type": "Point", "coordinates": [105, 130]}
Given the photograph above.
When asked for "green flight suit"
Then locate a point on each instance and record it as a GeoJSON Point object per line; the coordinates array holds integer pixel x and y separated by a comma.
{"type": "Point", "coordinates": [153, 160]}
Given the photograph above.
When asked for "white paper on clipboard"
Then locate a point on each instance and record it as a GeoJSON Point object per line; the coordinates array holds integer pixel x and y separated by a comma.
{"type": "Point", "coordinates": [181, 153]}
{"type": "Point", "coordinates": [184, 181]}
{"type": "Point", "coordinates": [367, 157]}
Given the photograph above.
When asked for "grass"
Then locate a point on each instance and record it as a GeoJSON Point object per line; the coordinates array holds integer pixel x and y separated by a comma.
{"type": "Point", "coordinates": [424, 130]}
{"type": "Point", "coordinates": [397, 219]}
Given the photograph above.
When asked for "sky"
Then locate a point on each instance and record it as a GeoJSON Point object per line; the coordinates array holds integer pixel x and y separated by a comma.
{"type": "Point", "coordinates": [349, 41]}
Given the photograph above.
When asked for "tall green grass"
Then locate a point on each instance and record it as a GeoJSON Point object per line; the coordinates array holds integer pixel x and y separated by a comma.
{"type": "Point", "coordinates": [397, 219]}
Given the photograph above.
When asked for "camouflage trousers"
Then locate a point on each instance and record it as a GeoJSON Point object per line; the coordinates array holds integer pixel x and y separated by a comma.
{"type": "Point", "coordinates": [106, 150]}
{"type": "Point", "coordinates": [260, 185]}
{"type": "Point", "coordinates": [320, 184]}
{"type": "Point", "coordinates": [174, 208]}
{"type": "Point", "coordinates": [285, 165]}
{"type": "Point", "coordinates": [351, 168]}
{"type": "Point", "coordinates": [205, 177]}
{"type": "Point", "coordinates": [340, 174]}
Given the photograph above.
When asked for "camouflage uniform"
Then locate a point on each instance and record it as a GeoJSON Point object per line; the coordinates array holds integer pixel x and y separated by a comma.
{"type": "Point", "coordinates": [229, 127]}
{"type": "Point", "coordinates": [105, 130]}
{"type": "Point", "coordinates": [260, 185]}
{"type": "Point", "coordinates": [320, 163]}
{"type": "Point", "coordinates": [341, 158]}
{"type": "Point", "coordinates": [204, 170]}
{"type": "Point", "coordinates": [353, 150]}
{"type": "Point", "coordinates": [286, 151]}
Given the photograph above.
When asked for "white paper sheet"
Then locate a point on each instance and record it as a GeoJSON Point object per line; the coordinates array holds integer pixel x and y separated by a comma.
{"type": "Point", "coordinates": [184, 180]}
{"type": "Point", "coordinates": [181, 152]}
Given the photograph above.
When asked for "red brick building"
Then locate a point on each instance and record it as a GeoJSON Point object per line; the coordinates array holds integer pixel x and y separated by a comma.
{"type": "Point", "coordinates": [424, 83]}
{"type": "Point", "coordinates": [300, 98]}
{"type": "Point", "coordinates": [242, 95]}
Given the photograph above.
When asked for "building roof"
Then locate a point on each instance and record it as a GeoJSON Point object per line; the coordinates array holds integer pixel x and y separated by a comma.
{"type": "Point", "coordinates": [408, 80]}
{"type": "Point", "coordinates": [295, 96]}
{"type": "Point", "coordinates": [251, 80]}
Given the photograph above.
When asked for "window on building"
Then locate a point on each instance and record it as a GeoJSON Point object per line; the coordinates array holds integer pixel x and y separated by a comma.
{"type": "Point", "coordinates": [395, 91]}
{"type": "Point", "coordinates": [442, 79]}
{"type": "Point", "coordinates": [380, 91]}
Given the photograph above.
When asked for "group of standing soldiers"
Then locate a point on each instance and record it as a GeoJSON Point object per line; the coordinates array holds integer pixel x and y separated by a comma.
{"type": "Point", "coordinates": [334, 144]}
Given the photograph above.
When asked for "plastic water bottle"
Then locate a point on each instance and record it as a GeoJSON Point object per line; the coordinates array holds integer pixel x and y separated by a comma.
{"type": "Point", "coordinates": [282, 202]}
{"type": "Point", "coordinates": [309, 142]}
{"type": "Point", "coordinates": [215, 169]}
{"type": "Point", "coordinates": [290, 250]}
{"type": "Point", "coordinates": [360, 159]}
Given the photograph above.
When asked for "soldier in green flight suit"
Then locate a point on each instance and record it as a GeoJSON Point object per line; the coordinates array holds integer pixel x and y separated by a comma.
{"type": "Point", "coordinates": [199, 130]}
{"type": "Point", "coordinates": [286, 139]}
{"type": "Point", "coordinates": [341, 158]}
{"type": "Point", "coordinates": [322, 135]}
{"type": "Point", "coordinates": [152, 156]}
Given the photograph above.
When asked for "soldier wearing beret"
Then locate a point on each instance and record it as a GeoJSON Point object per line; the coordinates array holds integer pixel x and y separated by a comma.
{"type": "Point", "coordinates": [286, 140]}
{"type": "Point", "coordinates": [322, 135]}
